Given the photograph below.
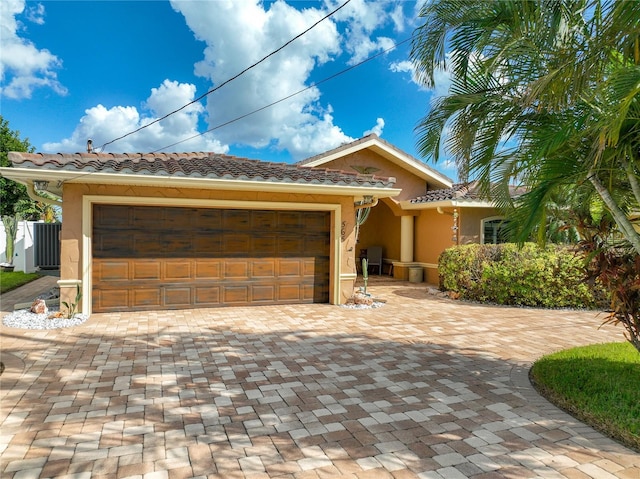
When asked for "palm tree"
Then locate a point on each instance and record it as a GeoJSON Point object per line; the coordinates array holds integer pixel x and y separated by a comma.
{"type": "Point", "coordinates": [544, 93]}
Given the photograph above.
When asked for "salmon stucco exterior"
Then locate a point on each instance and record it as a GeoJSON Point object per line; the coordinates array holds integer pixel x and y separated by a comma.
{"type": "Point", "coordinates": [182, 230]}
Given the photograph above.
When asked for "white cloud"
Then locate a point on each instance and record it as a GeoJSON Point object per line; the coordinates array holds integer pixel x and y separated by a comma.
{"type": "Point", "coordinates": [442, 78]}
{"type": "Point", "coordinates": [301, 124]}
{"type": "Point", "coordinates": [103, 124]}
{"type": "Point", "coordinates": [398, 18]}
{"type": "Point", "coordinates": [376, 129]}
{"type": "Point", "coordinates": [35, 14]}
{"type": "Point", "coordinates": [265, 28]}
{"type": "Point", "coordinates": [363, 19]}
{"type": "Point", "coordinates": [236, 34]}
{"type": "Point", "coordinates": [24, 67]}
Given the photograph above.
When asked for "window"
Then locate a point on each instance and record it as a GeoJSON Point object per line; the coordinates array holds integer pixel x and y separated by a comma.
{"type": "Point", "coordinates": [494, 230]}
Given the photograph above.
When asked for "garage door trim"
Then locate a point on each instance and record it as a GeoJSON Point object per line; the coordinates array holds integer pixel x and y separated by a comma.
{"type": "Point", "coordinates": [87, 229]}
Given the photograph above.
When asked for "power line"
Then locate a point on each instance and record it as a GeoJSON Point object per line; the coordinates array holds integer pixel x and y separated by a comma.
{"type": "Point", "coordinates": [228, 80]}
{"type": "Point", "coordinates": [331, 77]}
{"type": "Point", "coordinates": [324, 80]}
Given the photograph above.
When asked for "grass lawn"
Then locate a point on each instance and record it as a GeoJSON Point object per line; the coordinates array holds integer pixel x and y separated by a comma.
{"type": "Point", "coordinates": [599, 384]}
{"type": "Point", "coordinates": [9, 281]}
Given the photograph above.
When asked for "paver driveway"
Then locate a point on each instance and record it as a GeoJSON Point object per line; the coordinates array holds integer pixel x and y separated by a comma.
{"type": "Point", "coordinates": [421, 387]}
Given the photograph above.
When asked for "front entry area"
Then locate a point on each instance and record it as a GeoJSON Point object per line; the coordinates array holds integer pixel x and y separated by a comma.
{"type": "Point", "coordinates": [151, 257]}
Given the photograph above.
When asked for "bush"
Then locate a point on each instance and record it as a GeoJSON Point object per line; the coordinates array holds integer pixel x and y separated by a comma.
{"type": "Point", "coordinates": [549, 277]}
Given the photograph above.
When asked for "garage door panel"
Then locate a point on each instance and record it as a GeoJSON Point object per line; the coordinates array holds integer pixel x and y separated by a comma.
{"type": "Point", "coordinates": [289, 267]}
{"type": "Point", "coordinates": [146, 270]}
{"type": "Point", "coordinates": [264, 245]}
{"type": "Point", "coordinates": [146, 298]}
{"type": "Point", "coordinates": [311, 267]}
{"type": "Point", "coordinates": [146, 244]}
{"type": "Point", "coordinates": [207, 295]}
{"type": "Point", "coordinates": [177, 296]}
{"type": "Point", "coordinates": [109, 246]}
{"type": "Point", "coordinates": [315, 293]}
{"type": "Point", "coordinates": [110, 299]}
{"type": "Point", "coordinates": [178, 219]}
{"type": "Point", "coordinates": [316, 221]}
{"type": "Point", "coordinates": [236, 244]}
{"type": "Point", "coordinates": [288, 220]}
{"type": "Point", "coordinates": [207, 246]}
{"type": "Point", "coordinates": [263, 269]}
{"type": "Point", "coordinates": [180, 244]}
{"type": "Point", "coordinates": [236, 269]}
{"type": "Point", "coordinates": [290, 292]}
{"type": "Point", "coordinates": [208, 269]}
{"type": "Point", "coordinates": [315, 245]}
{"type": "Point", "coordinates": [112, 216]}
{"type": "Point", "coordinates": [207, 219]}
{"type": "Point", "coordinates": [235, 295]}
{"type": "Point", "coordinates": [236, 220]}
{"type": "Point", "coordinates": [147, 258]}
{"type": "Point", "coordinates": [263, 220]}
{"type": "Point", "coordinates": [143, 215]}
{"type": "Point", "coordinates": [290, 246]}
{"type": "Point", "coordinates": [177, 271]}
{"type": "Point", "coordinates": [263, 293]}
{"type": "Point", "coordinates": [111, 271]}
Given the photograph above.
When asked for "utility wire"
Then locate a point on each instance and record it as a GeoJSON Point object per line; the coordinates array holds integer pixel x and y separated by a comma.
{"type": "Point", "coordinates": [324, 80]}
{"type": "Point", "coordinates": [335, 75]}
{"type": "Point", "coordinates": [228, 80]}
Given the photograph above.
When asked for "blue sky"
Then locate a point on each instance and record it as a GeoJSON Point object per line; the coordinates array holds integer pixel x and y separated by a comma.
{"type": "Point", "coordinates": [72, 70]}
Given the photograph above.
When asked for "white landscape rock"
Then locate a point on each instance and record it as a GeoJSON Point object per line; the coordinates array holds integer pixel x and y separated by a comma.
{"type": "Point", "coordinates": [25, 319]}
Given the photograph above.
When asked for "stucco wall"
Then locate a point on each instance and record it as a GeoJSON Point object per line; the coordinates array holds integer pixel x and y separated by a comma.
{"type": "Point", "coordinates": [411, 185]}
{"type": "Point", "coordinates": [382, 228]}
{"type": "Point", "coordinates": [72, 228]}
{"type": "Point", "coordinates": [433, 235]}
{"type": "Point", "coordinates": [470, 220]}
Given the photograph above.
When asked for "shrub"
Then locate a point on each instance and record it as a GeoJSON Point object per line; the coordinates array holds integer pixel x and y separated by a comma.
{"type": "Point", "coordinates": [549, 277]}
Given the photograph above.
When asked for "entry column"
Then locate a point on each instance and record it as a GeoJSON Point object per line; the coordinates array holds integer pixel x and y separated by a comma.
{"type": "Point", "coordinates": [406, 239]}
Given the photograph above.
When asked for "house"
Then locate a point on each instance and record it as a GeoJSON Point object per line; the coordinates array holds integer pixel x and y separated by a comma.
{"type": "Point", "coordinates": [429, 215]}
{"type": "Point", "coordinates": [188, 230]}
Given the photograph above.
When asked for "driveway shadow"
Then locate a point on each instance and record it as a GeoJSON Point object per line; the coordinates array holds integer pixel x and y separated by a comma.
{"type": "Point", "coordinates": [280, 391]}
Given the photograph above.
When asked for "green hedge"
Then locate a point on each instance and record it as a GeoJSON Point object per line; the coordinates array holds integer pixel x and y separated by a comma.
{"type": "Point", "coordinates": [549, 277]}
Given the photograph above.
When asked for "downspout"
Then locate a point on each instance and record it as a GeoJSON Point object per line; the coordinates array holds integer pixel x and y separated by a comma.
{"type": "Point", "coordinates": [455, 228]}
{"type": "Point", "coordinates": [359, 206]}
{"type": "Point", "coordinates": [31, 191]}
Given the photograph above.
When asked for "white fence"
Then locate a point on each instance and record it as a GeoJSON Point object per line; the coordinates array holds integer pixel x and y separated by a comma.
{"type": "Point", "coordinates": [23, 258]}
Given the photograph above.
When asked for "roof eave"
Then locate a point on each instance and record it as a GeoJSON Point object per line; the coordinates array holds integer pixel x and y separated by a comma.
{"type": "Point", "coordinates": [27, 176]}
{"type": "Point", "coordinates": [392, 154]}
{"type": "Point", "coordinates": [432, 205]}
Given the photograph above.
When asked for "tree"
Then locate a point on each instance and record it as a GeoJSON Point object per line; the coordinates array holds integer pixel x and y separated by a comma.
{"type": "Point", "coordinates": [10, 191]}
{"type": "Point", "coordinates": [15, 202]}
{"type": "Point", "coordinates": [545, 94]}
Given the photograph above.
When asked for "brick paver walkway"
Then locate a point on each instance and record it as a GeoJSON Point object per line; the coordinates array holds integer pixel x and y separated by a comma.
{"type": "Point", "coordinates": [420, 388]}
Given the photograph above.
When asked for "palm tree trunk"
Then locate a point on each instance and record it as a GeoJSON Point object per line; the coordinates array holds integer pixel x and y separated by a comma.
{"type": "Point", "coordinates": [633, 179]}
{"type": "Point", "coordinates": [621, 219]}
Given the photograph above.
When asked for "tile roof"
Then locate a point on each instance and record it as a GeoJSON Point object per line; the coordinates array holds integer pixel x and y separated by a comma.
{"type": "Point", "coordinates": [345, 146]}
{"type": "Point", "coordinates": [195, 165]}
{"type": "Point", "coordinates": [461, 192]}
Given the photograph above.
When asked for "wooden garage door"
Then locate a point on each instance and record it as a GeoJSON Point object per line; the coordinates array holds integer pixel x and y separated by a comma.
{"type": "Point", "coordinates": [147, 258]}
